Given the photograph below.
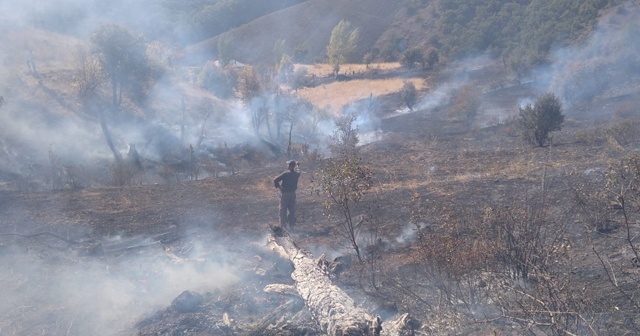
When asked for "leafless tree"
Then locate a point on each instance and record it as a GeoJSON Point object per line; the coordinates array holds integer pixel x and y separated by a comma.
{"type": "Point", "coordinates": [344, 180]}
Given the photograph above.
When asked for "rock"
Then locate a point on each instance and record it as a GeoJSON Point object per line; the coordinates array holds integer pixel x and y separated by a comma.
{"type": "Point", "coordinates": [187, 302]}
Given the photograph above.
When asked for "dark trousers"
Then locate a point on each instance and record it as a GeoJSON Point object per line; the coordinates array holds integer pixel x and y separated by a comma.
{"type": "Point", "coordinates": [288, 209]}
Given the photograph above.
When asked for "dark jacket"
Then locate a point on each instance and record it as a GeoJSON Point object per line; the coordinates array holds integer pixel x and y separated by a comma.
{"type": "Point", "coordinates": [289, 181]}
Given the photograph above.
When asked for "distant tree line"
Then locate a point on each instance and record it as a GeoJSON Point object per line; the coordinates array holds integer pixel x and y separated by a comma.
{"type": "Point", "coordinates": [521, 32]}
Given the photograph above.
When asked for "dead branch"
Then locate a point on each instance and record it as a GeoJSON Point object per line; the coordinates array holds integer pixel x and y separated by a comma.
{"type": "Point", "coordinates": [68, 241]}
{"type": "Point", "coordinates": [272, 317]}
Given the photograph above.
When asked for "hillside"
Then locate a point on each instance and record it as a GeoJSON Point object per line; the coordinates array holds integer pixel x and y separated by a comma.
{"type": "Point", "coordinates": [207, 236]}
{"type": "Point", "coordinates": [467, 228]}
{"type": "Point", "coordinates": [309, 25]}
{"type": "Point", "coordinates": [520, 33]}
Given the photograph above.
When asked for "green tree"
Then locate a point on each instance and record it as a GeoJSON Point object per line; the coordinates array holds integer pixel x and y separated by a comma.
{"type": "Point", "coordinates": [123, 58]}
{"type": "Point", "coordinates": [412, 56]}
{"type": "Point", "coordinates": [285, 68]}
{"type": "Point", "coordinates": [343, 41]}
{"type": "Point", "coordinates": [279, 51]}
{"type": "Point", "coordinates": [367, 59]}
{"type": "Point", "coordinates": [224, 49]}
{"type": "Point", "coordinates": [432, 58]}
{"type": "Point", "coordinates": [345, 180]}
{"type": "Point", "coordinates": [539, 120]}
{"type": "Point", "coordinates": [300, 53]}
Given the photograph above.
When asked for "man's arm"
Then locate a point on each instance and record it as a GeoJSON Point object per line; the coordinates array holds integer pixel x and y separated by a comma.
{"type": "Point", "coordinates": [277, 180]}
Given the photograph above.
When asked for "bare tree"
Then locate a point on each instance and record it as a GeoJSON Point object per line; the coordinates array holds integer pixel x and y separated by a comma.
{"type": "Point", "coordinates": [88, 75]}
{"type": "Point", "coordinates": [250, 90]}
{"type": "Point", "coordinates": [345, 180]}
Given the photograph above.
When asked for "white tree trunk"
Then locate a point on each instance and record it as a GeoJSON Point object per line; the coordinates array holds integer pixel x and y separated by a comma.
{"type": "Point", "coordinates": [335, 312]}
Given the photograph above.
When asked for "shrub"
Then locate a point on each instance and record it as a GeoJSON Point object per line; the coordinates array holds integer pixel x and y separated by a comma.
{"type": "Point", "coordinates": [466, 105]}
{"type": "Point", "coordinates": [539, 120]}
{"type": "Point", "coordinates": [409, 94]}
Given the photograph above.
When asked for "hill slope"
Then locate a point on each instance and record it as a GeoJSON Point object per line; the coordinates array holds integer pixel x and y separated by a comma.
{"type": "Point", "coordinates": [309, 25]}
{"type": "Point", "coordinates": [447, 201]}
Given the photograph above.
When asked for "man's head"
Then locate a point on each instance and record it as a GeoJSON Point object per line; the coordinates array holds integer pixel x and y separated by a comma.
{"type": "Point", "coordinates": [291, 164]}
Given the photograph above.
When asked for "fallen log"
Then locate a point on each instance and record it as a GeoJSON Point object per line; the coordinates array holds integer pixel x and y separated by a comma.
{"type": "Point", "coordinates": [335, 312]}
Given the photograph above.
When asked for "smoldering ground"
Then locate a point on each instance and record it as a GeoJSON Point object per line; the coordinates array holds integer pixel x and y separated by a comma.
{"type": "Point", "coordinates": [51, 290]}
{"type": "Point", "coordinates": [604, 65]}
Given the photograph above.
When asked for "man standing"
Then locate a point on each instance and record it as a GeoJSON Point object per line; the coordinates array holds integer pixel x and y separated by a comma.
{"type": "Point", "coordinates": [287, 182]}
{"type": "Point", "coordinates": [31, 62]}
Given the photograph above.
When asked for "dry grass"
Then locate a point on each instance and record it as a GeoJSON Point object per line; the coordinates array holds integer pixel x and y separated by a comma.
{"type": "Point", "coordinates": [52, 52]}
{"type": "Point", "coordinates": [323, 70]}
{"type": "Point", "coordinates": [336, 95]}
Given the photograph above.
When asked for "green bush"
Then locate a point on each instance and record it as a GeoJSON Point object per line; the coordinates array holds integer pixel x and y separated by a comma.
{"type": "Point", "coordinates": [539, 120]}
{"type": "Point", "coordinates": [412, 56]}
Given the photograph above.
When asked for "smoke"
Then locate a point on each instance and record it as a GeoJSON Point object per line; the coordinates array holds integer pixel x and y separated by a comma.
{"type": "Point", "coordinates": [409, 233]}
{"type": "Point", "coordinates": [81, 17]}
{"type": "Point", "coordinates": [66, 294]}
{"type": "Point", "coordinates": [54, 30]}
{"type": "Point", "coordinates": [87, 295]}
{"type": "Point", "coordinates": [457, 74]}
{"type": "Point", "coordinates": [576, 74]}
{"type": "Point", "coordinates": [606, 65]}
{"type": "Point", "coordinates": [73, 139]}
{"type": "Point", "coordinates": [440, 95]}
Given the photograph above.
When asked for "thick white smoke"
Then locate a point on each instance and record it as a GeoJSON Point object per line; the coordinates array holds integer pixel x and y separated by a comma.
{"type": "Point", "coordinates": [56, 292]}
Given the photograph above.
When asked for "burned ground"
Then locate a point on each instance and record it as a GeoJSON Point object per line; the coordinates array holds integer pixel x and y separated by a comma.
{"type": "Point", "coordinates": [468, 229]}
{"type": "Point", "coordinates": [219, 225]}
{"type": "Point", "coordinates": [185, 256]}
